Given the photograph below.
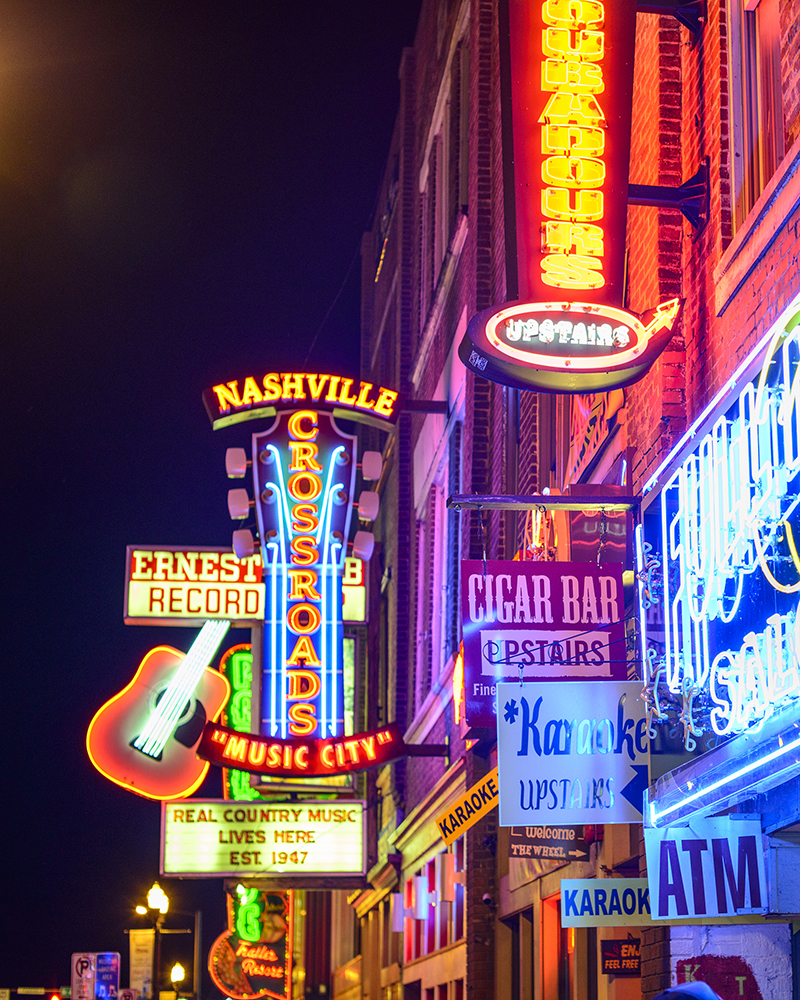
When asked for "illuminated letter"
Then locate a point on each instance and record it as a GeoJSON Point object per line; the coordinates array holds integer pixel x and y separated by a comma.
{"type": "Point", "coordinates": [571, 75]}
{"type": "Point", "coordinates": [251, 393]}
{"type": "Point", "coordinates": [304, 456]}
{"type": "Point", "coordinates": [272, 387]}
{"type": "Point", "coordinates": [301, 758]}
{"type": "Point", "coordinates": [333, 389]}
{"type": "Point", "coordinates": [295, 425]}
{"type": "Point", "coordinates": [557, 203]}
{"type": "Point", "coordinates": [304, 719]}
{"type": "Point", "coordinates": [303, 585]}
{"type": "Point", "coordinates": [296, 684]}
{"type": "Point", "coordinates": [572, 271]}
{"type": "Point", "coordinates": [586, 45]}
{"type": "Point", "coordinates": [227, 395]}
{"type": "Point", "coordinates": [573, 14]}
{"type": "Point", "coordinates": [573, 172]}
{"type": "Point", "coordinates": [236, 748]}
{"type": "Point", "coordinates": [304, 654]}
{"type": "Point", "coordinates": [304, 550]}
{"type": "Point", "coordinates": [363, 402]}
{"type": "Point", "coordinates": [578, 140]}
{"type": "Point", "coordinates": [294, 619]}
{"type": "Point", "coordinates": [384, 405]}
{"type": "Point", "coordinates": [326, 756]}
{"type": "Point", "coordinates": [316, 384]}
{"type": "Point", "coordinates": [572, 109]}
{"type": "Point", "coordinates": [304, 486]}
{"type": "Point", "coordinates": [258, 751]}
{"type": "Point", "coordinates": [561, 237]}
{"type": "Point", "coordinates": [304, 517]}
{"type": "Point", "coordinates": [293, 386]}
{"type": "Point", "coordinates": [343, 397]}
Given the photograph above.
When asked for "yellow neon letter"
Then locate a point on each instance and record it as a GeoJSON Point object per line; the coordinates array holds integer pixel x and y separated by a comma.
{"type": "Point", "coordinates": [572, 271]}
{"type": "Point", "coordinates": [569, 74]}
{"type": "Point", "coordinates": [576, 140]}
{"type": "Point", "coordinates": [572, 172]}
{"type": "Point", "coordinates": [572, 206]}
{"type": "Point", "coordinates": [295, 425]}
{"type": "Point", "coordinates": [561, 42]}
{"type": "Point", "coordinates": [561, 237]}
{"type": "Point", "coordinates": [573, 14]}
{"type": "Point", "coordinates": [572, 109]}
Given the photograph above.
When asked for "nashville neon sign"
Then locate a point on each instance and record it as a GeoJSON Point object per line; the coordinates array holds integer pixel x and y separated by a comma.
{"type": "Point", "coordinates": [256, 397]}
{"type": "Point", "coordinates": [722, 530]}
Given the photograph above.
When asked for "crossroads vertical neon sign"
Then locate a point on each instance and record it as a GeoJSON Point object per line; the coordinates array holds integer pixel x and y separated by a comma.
{"type": "Point", "coordinates": [304, 470]}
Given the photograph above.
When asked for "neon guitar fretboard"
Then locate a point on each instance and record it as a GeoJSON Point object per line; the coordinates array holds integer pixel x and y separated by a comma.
{"type": "Point", "coordinates": [164, 718]}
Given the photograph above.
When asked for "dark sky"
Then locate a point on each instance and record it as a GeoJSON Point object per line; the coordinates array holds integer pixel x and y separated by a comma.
{"type": "Point", "coordinates": [183, 188]}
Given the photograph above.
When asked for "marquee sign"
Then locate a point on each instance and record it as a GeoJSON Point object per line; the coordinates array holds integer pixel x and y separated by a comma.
{"type": "Point", "coordinates": [253, 957]}
{"type": "Point", "coordinates": [176, 585]}
{"type": "Point", "coordinates": [201, 838]}
{"type": "Point", "coordinates": [568, 99]}
{"type": "Point", "coordinates": [257, 397]}
{"type": "Point", "coordinates": [538, 621]}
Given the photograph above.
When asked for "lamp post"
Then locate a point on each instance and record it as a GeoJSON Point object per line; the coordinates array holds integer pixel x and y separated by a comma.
{"type": "Point", "coordinates": [157, 902]}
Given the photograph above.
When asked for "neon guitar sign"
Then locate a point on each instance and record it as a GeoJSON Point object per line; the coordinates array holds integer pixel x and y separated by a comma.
{"type": "Point", "coordinates": [144, 738]}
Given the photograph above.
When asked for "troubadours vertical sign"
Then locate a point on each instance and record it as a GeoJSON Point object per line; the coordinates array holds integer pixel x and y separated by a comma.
{"type": "Point", "coordinates": [571, 78]}
{"type": "Point", "coordinates": [567, 96]}
{"type": "Point", "coordinates": [304, 473]}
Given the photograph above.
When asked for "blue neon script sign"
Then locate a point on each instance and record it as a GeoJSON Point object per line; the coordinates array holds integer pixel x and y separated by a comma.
{"type": "Point", "coordinates": [722, 536]}
{"type": "Point", "coordinates": [573, 752]}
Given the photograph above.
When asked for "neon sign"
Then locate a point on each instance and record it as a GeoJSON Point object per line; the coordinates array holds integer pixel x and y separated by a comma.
{"type": "Point", "coordinates": [300, 758]}
{"type": "Point", "coordinates": [570, 72]}
{"type": "Point", "coordinates": [304, 471]}
{"type": "Point", "coordinates": [724, 569]}
{"type": "Point", "coordinates": [571, 86]}
{"type": "Point", "coordinates": [254, 398]}
{"type": "Point", "coordinates": [174, 585]}
{"type": "Point", "coordinates": [253, 957]}
{"type": "Point", "coordinates": [236, 664]}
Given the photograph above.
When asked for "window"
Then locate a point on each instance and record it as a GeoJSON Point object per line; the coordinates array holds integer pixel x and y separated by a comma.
{"type": "Point", "coordinates": [756, 102]}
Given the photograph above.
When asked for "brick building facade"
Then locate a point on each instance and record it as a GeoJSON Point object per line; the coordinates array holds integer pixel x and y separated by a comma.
{"type": "Point", "coordinates": [726, 97]}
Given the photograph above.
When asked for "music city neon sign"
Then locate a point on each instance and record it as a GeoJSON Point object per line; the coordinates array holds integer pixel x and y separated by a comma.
{"type": "Point", "coordinates": [722, 530]}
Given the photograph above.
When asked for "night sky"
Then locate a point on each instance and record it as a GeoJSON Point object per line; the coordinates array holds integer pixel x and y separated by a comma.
{"type": "Point", "coordinates": [183, 189]}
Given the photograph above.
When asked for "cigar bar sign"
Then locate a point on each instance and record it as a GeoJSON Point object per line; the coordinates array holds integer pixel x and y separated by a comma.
{"type": "Point", "coordinates": [201, 838]}
{"type": "Point", "coordinates": [538, 621]}
{"type": "Point", "coordinates": [176, 585]}
{"type": "Point", "coordinates": [569, 68]}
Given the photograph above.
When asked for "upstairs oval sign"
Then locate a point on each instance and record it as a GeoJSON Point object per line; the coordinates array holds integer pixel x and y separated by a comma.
{"type": "Point", "coordinates": [566, 346]}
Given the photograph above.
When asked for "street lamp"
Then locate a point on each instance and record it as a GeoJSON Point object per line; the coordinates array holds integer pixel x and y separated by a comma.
{"type": "Point", "coordinates": [157, 907]}
{"type": "Point", "coordinates": [177, 976]}
{"type": "Point", "coordinates": [158, 903]}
